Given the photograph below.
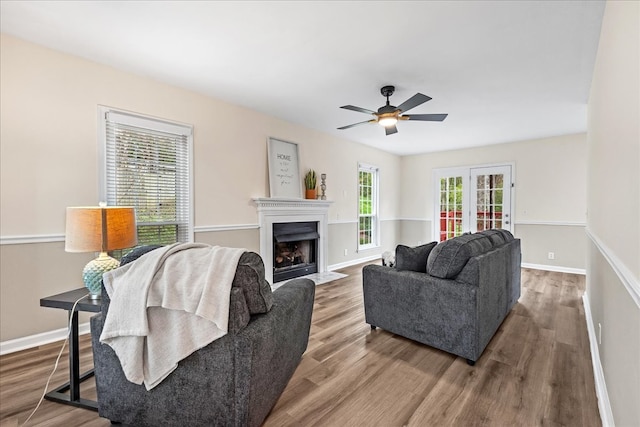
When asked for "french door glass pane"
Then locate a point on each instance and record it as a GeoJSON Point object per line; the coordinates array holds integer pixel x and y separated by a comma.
{"type": "Point", "coordinates": [450, 207]}
{"type": "Point", "coordinates": [489, 192]}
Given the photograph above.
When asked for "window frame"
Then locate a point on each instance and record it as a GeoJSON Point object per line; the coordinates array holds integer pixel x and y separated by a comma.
{"type": "Point", "coordinates": [152, 123]}
{"type": "Point", "coordinates": [375, 207]}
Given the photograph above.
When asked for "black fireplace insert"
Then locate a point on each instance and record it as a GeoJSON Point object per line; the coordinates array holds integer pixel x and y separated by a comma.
{"type": "Point", "coordinates": [295, 247]}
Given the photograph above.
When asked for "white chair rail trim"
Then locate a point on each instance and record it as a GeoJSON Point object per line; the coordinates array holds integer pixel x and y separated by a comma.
{"type": "Point", "coordinates": [624, 274]}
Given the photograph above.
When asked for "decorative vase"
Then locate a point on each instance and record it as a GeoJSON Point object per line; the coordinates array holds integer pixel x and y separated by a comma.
{"type": "Point", "coordinates": [311, 194]}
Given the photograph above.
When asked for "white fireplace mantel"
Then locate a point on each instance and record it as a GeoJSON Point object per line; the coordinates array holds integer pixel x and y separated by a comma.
{"type": "Point", "coordinates": [279, 210]}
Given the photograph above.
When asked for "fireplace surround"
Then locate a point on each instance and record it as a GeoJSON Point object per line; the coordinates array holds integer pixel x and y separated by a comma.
{"type": "Point", "coordinates": [283, 210]}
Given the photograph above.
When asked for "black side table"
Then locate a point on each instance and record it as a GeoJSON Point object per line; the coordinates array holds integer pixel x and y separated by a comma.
{"type": "Point", "coordinates": [65, 301]}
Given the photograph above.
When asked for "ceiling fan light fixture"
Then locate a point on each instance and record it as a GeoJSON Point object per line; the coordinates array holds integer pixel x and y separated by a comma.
{"type": "Point", "coordinates": [387, 121]}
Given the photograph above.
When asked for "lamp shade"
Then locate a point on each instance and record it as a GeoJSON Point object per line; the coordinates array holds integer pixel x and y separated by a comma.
{"type": "Point", "coordinates": [100, 229]}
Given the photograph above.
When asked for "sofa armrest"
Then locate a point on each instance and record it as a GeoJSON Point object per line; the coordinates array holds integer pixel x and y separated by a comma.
{"type": "Point", "coordinates": [437, 312]}
{"type": "Point", "coordinates": [276, 341]}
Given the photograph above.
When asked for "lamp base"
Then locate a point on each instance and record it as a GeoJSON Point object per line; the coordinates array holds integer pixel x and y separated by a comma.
{"type": "Point", "coordinates": [93, 271]}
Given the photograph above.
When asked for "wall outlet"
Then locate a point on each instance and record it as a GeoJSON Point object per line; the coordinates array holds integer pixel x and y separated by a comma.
{"type": "Point", "coordinates": [552, 255]}
{"type": "Point", "coordinates": [346, 252]}
{"type": "Point", "coordinates": [599, 334]}
{"type": "Point", "coordinates": [419, 242]}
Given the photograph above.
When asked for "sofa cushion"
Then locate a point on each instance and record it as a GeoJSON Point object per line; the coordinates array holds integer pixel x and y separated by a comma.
{"type": "Point", "coordinates": [250, 277]}
{"type": "Point", "coordinates": [413, 259]}
{"type": "Point", "coordinates": [496, 237]}
{"type": "Point", "coordinates": [448, 258]}
{"type": "Point", "coordinates": [506, 234]}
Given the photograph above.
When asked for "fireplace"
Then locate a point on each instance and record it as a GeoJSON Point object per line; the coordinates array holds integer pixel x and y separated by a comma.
{"type": "Point", "coordinates": [295, 245]}
{"type": "Point", "coordinates": [274, 211]}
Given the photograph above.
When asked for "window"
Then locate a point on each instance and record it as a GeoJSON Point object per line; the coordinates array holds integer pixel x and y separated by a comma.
{"type": "Point", "coordinates": [146, 163]}
{"type": "Point", "coordinates": [367, 206]}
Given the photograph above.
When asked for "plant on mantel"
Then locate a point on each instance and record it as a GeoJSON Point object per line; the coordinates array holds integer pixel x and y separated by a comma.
{"type": "Point", "coordinates": [310, 184]}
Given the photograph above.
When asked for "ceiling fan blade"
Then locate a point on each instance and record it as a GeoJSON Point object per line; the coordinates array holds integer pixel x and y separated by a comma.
{"type": "Point", "coordinates": [390, 130]}
{"type": "Point", "coordinates": [425, 117]}
{"type": "Point", "coordinates": [413, 102]}
{"type": "Point", "coordinates": [357, 124]}
{"type": "Point", "coordinates": [358, 109]}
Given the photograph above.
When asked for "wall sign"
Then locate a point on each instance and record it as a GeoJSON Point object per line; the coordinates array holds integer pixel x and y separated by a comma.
{"type": "Point", "coordinates": [284, 172]}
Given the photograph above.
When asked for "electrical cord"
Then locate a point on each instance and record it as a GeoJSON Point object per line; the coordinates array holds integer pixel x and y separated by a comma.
{"type": "Point", "coordinates": [46, 386]}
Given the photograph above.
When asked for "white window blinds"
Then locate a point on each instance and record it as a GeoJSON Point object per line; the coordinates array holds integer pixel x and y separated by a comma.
{"type": "Point", "coordinates": [147, 166]}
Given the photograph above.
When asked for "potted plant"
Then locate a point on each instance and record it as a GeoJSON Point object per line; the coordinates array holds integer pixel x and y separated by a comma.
{"type": "Point", "coordinates": [310, 184]}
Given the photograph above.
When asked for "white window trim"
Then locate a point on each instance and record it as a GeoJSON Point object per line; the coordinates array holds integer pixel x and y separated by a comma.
{"type": "Point", "coordinates": [376, 204]}
{"type": "Point", "coordinates": [142, 121]}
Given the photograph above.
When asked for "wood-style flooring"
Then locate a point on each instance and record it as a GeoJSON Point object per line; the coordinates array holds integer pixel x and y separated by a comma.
{"type": "Point", "coordinates": [536, 370]}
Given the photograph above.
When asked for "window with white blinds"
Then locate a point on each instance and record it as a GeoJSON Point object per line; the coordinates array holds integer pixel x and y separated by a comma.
{"type": "Point", "coordinates": [147, 164]}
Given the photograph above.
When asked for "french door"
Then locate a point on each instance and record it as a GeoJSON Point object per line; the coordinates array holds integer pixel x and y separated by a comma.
{"type": "Point", "coordinates": [472, 199]}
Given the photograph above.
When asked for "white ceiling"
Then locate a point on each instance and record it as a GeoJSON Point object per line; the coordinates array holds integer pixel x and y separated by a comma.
{"type": "Point", "coordinates": [504, 70]}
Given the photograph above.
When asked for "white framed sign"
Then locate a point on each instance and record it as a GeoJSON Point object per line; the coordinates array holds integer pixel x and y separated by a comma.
{"type": "Point", "coordinates": [284, 171]}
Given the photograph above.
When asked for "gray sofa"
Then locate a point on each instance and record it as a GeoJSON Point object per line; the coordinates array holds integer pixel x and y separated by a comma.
{"type": "Point", "coordinates": [452, 295]}
{"type": "Point", "coordinates": [234, 381]}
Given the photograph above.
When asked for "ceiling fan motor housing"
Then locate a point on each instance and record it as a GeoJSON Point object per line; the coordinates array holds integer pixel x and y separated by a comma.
{"type": "Point", "coordinates": [387, 109]}
{"type": "Point", "coordinates": [387, 90]}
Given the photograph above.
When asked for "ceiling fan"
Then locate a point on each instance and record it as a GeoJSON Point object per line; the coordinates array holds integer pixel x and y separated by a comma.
{"type": "Point", "coordinates": [388, 115]}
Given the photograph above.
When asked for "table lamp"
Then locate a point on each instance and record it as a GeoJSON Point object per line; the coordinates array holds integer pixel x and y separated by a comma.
{"type": "Point", "coordinates": [99, 229]}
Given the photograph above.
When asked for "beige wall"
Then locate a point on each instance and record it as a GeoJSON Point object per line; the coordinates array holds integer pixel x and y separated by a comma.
{"type": "Point", "coordinates": [567, 242]}
{"type": "Point", "coordinates": [343, 235]}
{"type": "Point", "coordinates": [414, 232]}
{"type": "Point", "coordinates": [613, 194]}
{"type": "Point", "coordinates": [550, 193]}
{"type": "Point", "coordinates": [49, 157]}
{"type": "Point", "coordinates": [248, 238]}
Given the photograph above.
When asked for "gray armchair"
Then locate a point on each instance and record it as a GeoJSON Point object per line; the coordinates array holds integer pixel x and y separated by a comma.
{"type": "Point", "coordinates": [234, 381]}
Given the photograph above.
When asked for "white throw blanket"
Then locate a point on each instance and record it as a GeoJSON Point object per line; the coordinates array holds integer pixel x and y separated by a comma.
{"type": "Point", "coordinates": [166, 305]}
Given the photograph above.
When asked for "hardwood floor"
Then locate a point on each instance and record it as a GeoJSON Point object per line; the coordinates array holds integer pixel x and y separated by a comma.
{"type": "Point", "coordinates": [536, 370]}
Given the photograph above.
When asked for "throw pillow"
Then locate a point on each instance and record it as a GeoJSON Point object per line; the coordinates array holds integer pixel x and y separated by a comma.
{"type": "Point", "coordinates": [449, 257]}
{"type": "Point", "coordinates": [413, 259]}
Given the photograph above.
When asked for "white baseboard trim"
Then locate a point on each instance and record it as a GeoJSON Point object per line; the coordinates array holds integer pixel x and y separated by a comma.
{"type": "Point", "coordinates": [31, 341]}
{"type": "Point", "coordinates": [556, 268]}
{"type": "Point", "coordinates": [604, 405]}
{"type": "Point", "coordinates": [353, 262]}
